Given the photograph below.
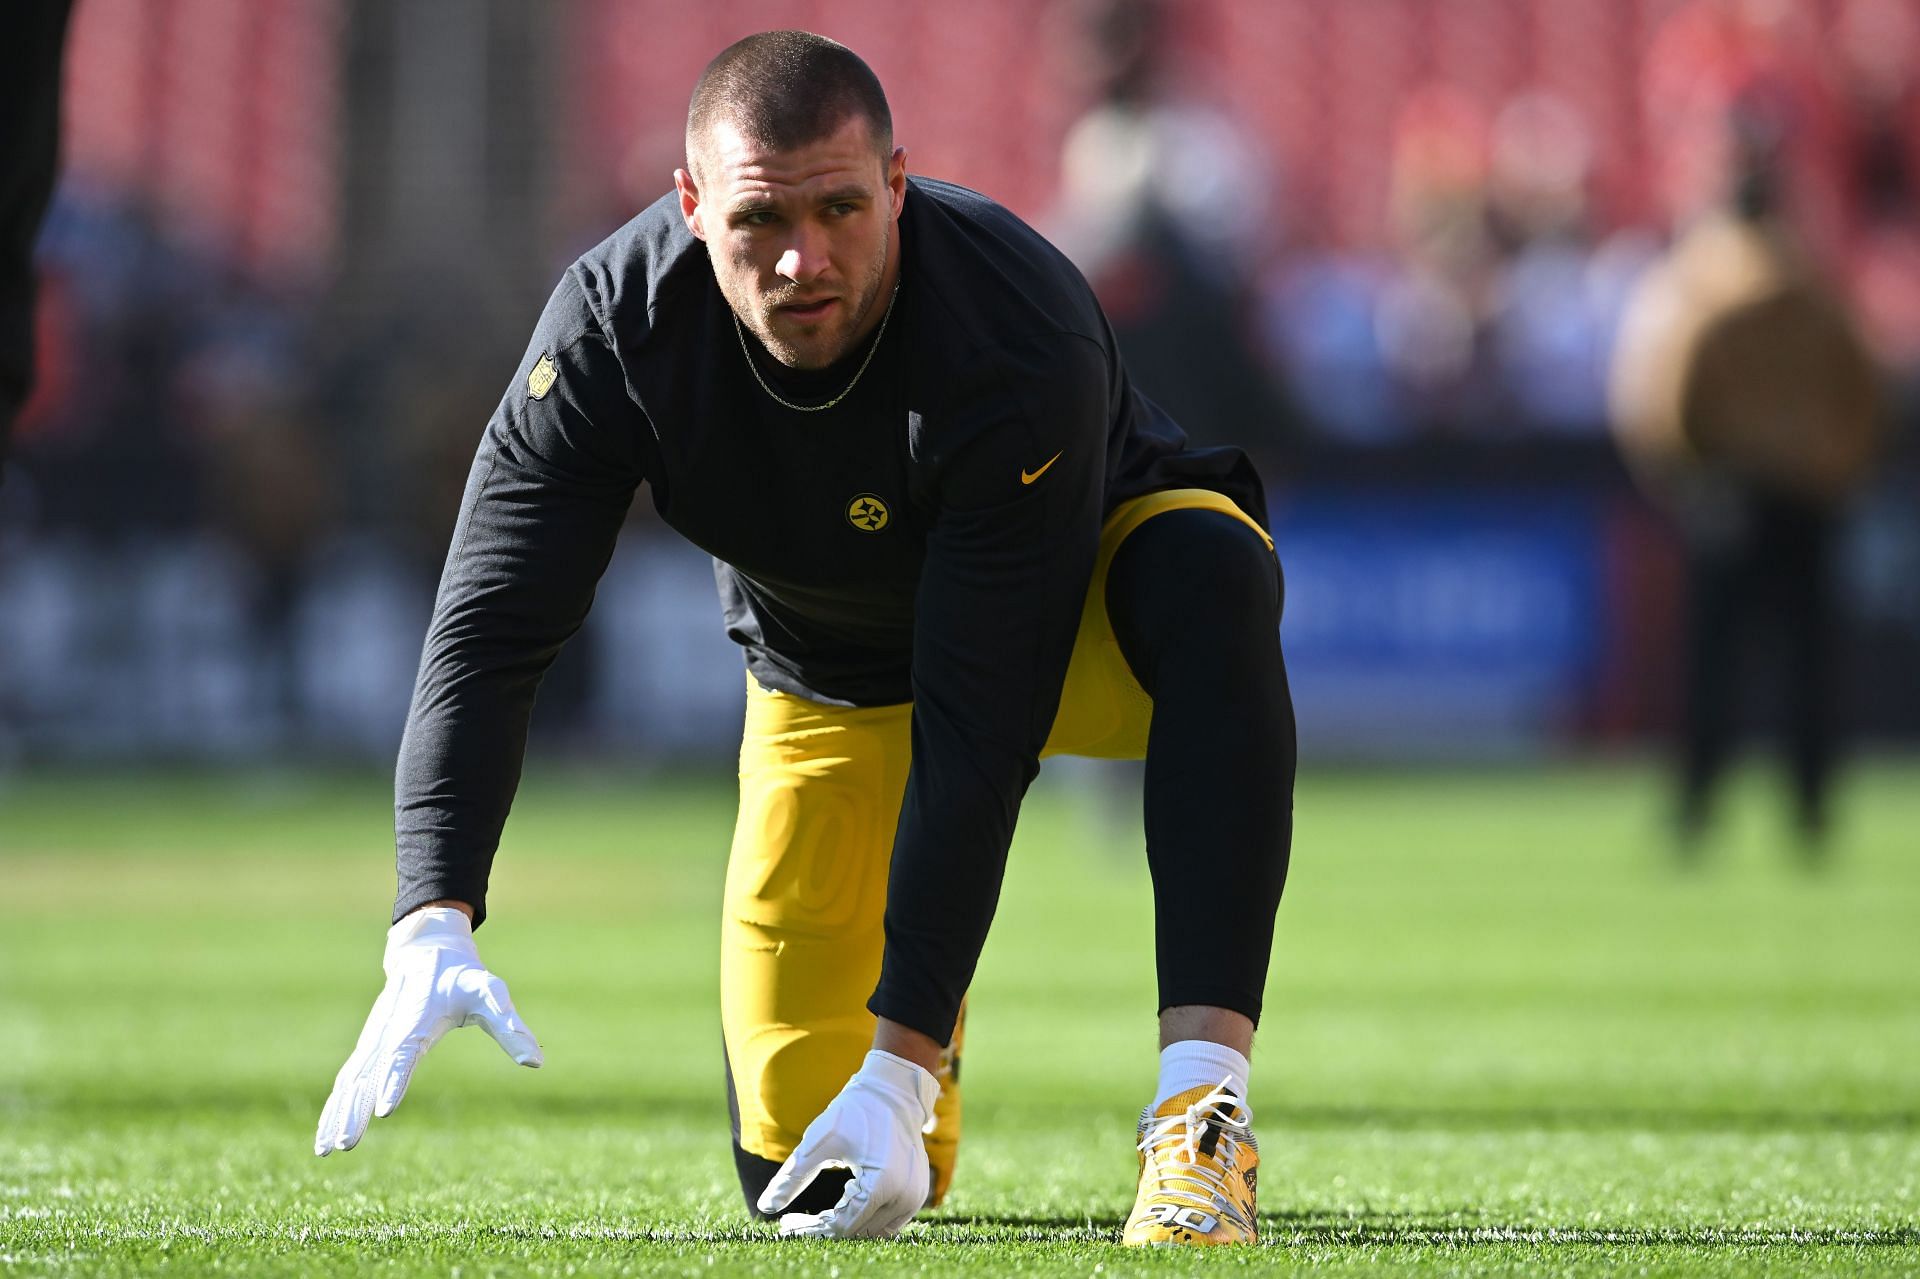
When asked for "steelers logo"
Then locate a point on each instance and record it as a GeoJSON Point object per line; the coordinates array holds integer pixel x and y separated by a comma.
{"type": "Point", "coordinates": [867, 513]}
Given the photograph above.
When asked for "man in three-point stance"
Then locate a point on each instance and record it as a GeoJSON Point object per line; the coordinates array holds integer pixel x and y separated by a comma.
{"type": "Point", "coordinates": [951, 537]}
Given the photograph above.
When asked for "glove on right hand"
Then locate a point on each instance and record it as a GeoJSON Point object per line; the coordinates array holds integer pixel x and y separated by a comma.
{"type": "Point", "coordinates": [435, 982]}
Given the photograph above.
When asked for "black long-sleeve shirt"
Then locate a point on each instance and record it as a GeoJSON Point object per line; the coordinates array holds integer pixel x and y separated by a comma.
{"type": "Point", "coordinates": [995, 427]}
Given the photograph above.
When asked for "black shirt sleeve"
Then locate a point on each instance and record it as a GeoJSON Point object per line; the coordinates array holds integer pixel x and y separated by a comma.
{"type": "Point", "coordinates": [1006, 572]}
{"type": "Point", "coordinates": [30, 62]}
{"type": "Point", "coordinates": [548, 492]}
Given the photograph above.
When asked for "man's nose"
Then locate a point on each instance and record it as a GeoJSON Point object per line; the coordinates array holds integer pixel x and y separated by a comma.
{"type": "Point", "coordinates": [806, 256]}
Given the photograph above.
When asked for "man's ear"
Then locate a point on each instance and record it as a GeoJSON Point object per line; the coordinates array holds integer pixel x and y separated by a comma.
{"type": "Point", "coordinates": [897, 178]}
{"type": "Point", "coordinates": [689, 201]}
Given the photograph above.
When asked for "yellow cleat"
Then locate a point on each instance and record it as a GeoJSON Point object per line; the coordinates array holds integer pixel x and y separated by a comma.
{"type": "Point", "coordinates": [943, 1141]}
{"type": "Point", "coordinates": [1198, 1166]}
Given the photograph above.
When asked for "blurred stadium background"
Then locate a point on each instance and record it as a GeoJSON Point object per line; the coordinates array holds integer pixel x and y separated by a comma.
{"type": "Point", "coordinates": [298, 245]}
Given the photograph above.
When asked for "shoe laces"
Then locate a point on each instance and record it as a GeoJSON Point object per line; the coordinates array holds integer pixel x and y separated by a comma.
{"type": "Point", "coordinates": [1183, 1132]}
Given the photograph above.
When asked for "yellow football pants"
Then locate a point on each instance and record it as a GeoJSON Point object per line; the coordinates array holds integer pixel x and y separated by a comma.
{"type": "Point", "coordinates": [820, 791]}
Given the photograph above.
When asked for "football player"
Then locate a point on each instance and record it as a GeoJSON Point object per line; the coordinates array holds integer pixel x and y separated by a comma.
{"type": "Point", "coordinates": [951, 537]}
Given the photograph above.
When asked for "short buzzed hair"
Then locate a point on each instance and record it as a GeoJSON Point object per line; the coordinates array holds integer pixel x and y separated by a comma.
{"type": "Point", "coordinates": [784, 89]}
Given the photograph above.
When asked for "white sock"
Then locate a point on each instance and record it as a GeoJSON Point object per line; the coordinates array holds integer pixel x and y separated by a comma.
{"type": "Point", "coordinates": [1200, 1063]}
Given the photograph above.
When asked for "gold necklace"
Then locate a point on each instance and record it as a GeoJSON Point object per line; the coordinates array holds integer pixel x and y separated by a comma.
{"type": "Point", "coordinates": [741, 332]}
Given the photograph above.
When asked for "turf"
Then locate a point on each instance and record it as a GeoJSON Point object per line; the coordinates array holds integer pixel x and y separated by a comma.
{"type": "Point", "coordinates": [1504, 1035]}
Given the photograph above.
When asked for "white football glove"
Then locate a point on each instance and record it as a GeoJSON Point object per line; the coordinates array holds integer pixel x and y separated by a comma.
{"type": "Point", "coordinates": [874, 1128]}
{"type": "Point", "coordinates": [435, 982]}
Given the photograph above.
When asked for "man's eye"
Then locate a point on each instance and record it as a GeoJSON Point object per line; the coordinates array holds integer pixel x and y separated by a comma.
{"type": "Point", "coordinates": [842, 209]}
{"type": "Point", "coordinates": [758, 217]}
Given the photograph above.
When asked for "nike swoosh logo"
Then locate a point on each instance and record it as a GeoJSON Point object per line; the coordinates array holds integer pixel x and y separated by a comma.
{"type": "Point", "coordinates": [1028, 477]}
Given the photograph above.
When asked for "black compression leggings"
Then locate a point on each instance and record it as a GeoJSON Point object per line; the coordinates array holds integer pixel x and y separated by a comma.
{"type": "Point", "coordinates": [1195, 600]}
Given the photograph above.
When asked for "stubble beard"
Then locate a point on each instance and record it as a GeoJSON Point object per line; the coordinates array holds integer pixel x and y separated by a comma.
{"type": "Point", "coordinates": [822, 349]}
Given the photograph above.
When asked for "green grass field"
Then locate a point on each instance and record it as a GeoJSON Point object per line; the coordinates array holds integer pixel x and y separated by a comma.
{"type": "Point", "coordinates": [1504, 1035]}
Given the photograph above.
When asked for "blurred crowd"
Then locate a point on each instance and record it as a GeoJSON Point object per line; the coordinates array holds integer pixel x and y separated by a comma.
{"type": "Point", "coordinates": [276, 449]}
{"type": "Point", "coordinates": [1490, 304]}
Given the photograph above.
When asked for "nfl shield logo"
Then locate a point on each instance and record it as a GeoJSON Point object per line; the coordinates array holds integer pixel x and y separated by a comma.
{"type": "Point", "coordinates": [541, 379]}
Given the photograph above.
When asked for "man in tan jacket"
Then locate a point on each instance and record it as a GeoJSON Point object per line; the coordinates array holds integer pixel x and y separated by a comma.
{"type": "Point", "coordinates": [1746, 401]}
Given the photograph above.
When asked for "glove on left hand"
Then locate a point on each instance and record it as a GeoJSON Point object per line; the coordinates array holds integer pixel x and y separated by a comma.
{"type": "Point", "coordinates": [874, 1128]}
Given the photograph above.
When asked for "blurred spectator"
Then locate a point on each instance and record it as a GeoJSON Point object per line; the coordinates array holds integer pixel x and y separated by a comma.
{"type": "Point", "coordinates": [1558, 297]}
{"type": "Point", "coordinates": [1879, 50]}
{"type": "Point", "coordinates": [272, 487]}
{"type": "Point", "coordinates": [113, 454]}
{"type": "Point", "coordinates": [1747, 400]}
{"type": "Point", "coordinates": [1431, 315]}
{"type": "Point", "coordinates": [1318, 316]}
{"type": "Point", "coordinates": [1165, 205]}
{"type": "Point", "coordinates": [1763, 56]}
{"type": "Point", "coordinates": [1493, 313]}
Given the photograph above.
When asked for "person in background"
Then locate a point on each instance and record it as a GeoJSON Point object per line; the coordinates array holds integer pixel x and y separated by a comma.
{"type": "Point", "coordinates": [1165, 205]}
{"type": "Point", "coordinates": [1878, 78]}
{"type": "Point", "coordinates": [1746, 400]}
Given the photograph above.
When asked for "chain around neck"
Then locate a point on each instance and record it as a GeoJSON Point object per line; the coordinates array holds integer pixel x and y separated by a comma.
{"type": "Point", "coordinates": [741, 332]}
